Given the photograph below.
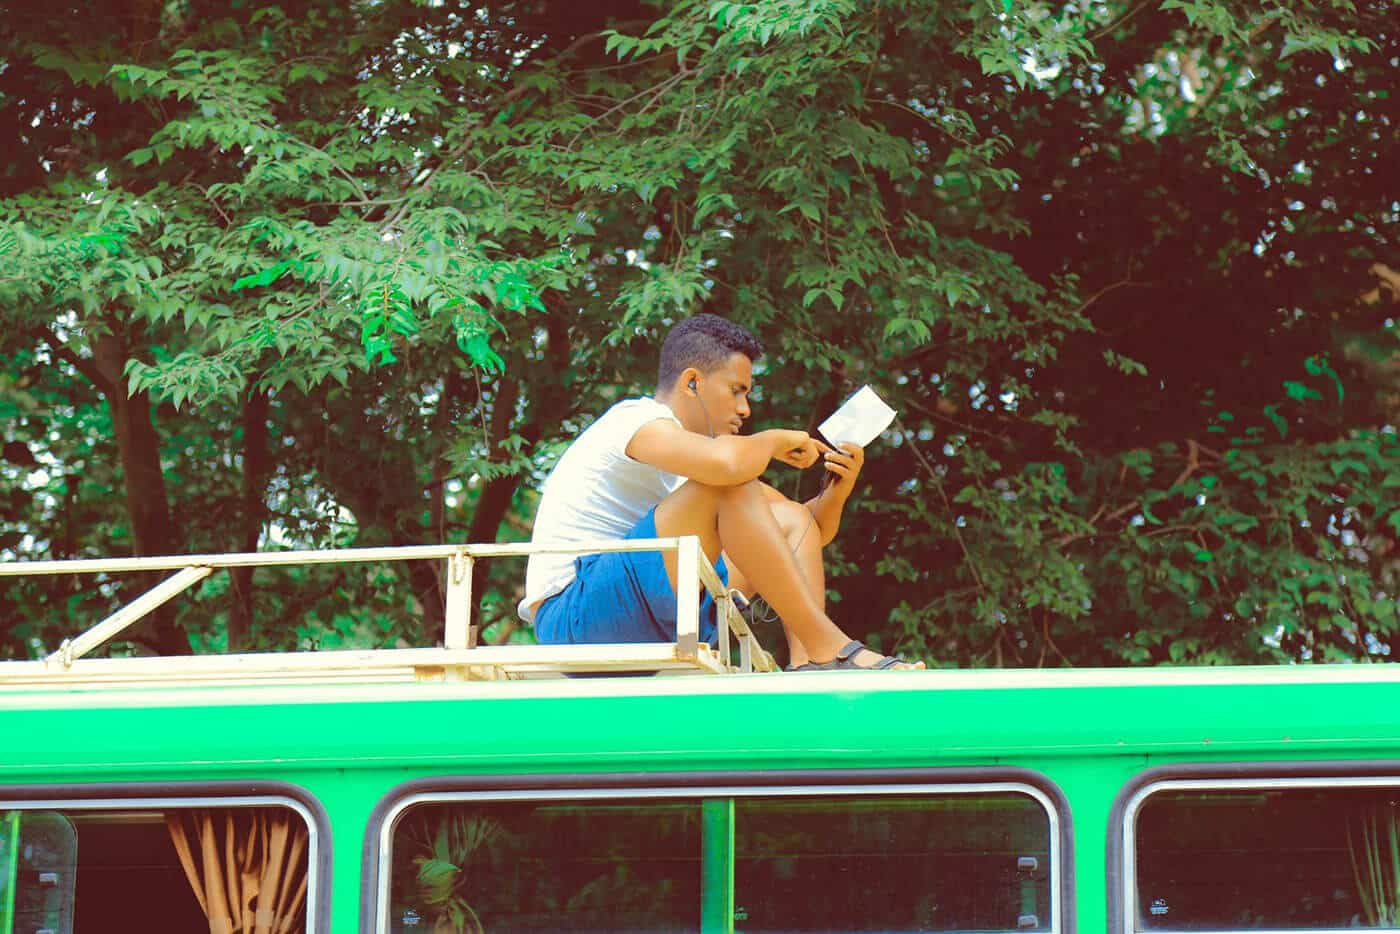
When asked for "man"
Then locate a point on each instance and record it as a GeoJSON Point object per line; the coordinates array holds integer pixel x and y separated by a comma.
{"type": "Point", "coordinates": [676, 465]}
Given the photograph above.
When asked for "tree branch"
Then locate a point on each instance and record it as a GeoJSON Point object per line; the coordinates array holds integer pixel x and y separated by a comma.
{"type": "Point", "coordinates": [87, 368]}
{"type": "Point", "coordinates": [1194, 450]}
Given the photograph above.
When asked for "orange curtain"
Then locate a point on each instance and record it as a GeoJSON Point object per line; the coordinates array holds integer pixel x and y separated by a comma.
{"type": "Point", "coordinates": [246, 866]}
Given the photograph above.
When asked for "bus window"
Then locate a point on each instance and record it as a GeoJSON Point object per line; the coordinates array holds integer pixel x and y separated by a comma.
{"type": "Point", "coordinates": [1313, 854]}
{"type": "Point", "coordinates": [943, 862]}
{"type": "Point", "coordinates": [617, 865]}
{"type": "Point", "coordinates": [94, 866]}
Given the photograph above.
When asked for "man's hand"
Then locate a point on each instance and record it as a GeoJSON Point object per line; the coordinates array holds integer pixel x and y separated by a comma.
{"type": "Point", "coordinates": [797, 448]}
{"type": "Point", "coordinates": [844, 466]}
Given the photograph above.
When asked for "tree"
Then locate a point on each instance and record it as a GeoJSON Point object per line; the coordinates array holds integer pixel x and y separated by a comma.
{"type": "Point", "coordinates": [374, 265]}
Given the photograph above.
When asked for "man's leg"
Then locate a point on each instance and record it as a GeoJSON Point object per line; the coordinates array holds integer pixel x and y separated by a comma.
{"type": "Point", "coordinates": [805, 540]}
{"type": "Point", "coordinates": [738, 521]}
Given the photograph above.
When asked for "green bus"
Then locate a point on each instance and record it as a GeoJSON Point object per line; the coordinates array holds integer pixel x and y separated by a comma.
{"type": "Point", "coordinates": [445, 789]}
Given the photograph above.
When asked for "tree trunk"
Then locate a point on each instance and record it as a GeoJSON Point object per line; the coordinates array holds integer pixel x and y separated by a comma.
{"type": "Point", "coordinates": [547, 406]}
{"type": "Point", "coordinates": [382, 486]}
{"type": "Point", "coordinates": [256, 466]}
{"type": "Point", "coordinates": [148, 507]}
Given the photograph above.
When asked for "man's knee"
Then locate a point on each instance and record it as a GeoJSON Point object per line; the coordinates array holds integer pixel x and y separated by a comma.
{"type": "Point", "coordinates": [793, 518]}
{"type": "Point", "coordinates": [695, 507]}
{"type": "Point", "coordinates": [694, 489]}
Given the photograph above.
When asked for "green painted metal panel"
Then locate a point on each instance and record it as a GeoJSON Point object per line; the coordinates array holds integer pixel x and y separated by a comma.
{"type": "Point", "coordinates": [499, 730]}
{"type": "Point", "coordinates": [1089, 786]}
{"type": "Point", "coordinates": [717, 868]}
{"type": "Point", "coordinates": [350, 745]}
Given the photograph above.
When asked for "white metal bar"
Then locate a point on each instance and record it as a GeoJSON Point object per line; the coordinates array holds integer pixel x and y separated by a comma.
{"type": "Point", "coordinates": [709, 577]}
{"type": "Point", "coordinates": [457, 633]}
{"type": "Point", "coordinates": [133, 611]}
{"type": "Point", "coordinates": [460, 655]}
{"type": "Point", "coordinates": [332, 556]}
{"type": "Point", "coordinates": [724, 607]}
{"type": "Point", "coordinates": [358, 665]}
{"type": "Point", "coordinates": [621, 653]}
{"type": "Point", "coordinates": [745, 649]}
{"type": "Point", "coordinates": [662, 656]}
{"type": "Point", "coordinates": [688, 596]}
{"type": "Point", "coordinates": [752, 656]}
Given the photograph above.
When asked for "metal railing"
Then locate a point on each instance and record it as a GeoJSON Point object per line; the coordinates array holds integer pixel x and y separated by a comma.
{"type": "Point", "coordinates": [459, 649]}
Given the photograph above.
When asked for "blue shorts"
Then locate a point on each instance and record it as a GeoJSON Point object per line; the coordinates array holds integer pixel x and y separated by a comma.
{"type": "Point", "coordinates": [620, 597]}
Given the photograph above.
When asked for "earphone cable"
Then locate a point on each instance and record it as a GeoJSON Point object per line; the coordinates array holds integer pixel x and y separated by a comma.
{"type": "Point", "coordinates": [709, 427]}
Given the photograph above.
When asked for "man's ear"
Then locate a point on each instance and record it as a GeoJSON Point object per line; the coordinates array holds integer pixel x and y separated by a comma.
{"type": "Point", "coordinates": [688, 378]}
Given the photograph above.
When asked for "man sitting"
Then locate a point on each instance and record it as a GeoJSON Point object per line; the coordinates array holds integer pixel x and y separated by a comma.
{"type": "Point", "coordinates": [676, 465]}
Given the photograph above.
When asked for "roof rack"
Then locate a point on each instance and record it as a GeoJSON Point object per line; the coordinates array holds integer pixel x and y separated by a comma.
{"type": "Point", "coordinates": [460, 658]}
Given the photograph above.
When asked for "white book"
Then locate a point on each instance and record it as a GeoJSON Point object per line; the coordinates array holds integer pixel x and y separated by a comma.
{"type": "Point", "coordinates": [860, 421]}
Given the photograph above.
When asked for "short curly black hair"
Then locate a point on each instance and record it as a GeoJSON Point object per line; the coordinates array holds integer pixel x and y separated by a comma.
{"type": "Point", "coordinates": [705, 342]}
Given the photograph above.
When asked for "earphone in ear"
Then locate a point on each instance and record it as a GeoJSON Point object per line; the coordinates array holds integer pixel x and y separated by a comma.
{"type": "Point", "coordinates": [709, 429]}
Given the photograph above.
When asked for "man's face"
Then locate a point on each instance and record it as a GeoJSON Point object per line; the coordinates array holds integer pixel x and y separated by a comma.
{"type": "Point", "coordinates": [725, 392]}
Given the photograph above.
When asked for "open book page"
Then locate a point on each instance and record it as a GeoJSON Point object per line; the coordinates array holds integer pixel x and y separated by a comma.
{"type": "Point", "coordinates": [860, 421]}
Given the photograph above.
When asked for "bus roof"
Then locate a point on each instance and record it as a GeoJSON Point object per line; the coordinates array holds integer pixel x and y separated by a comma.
{"type": "Point", "coordinates": [31, 694]}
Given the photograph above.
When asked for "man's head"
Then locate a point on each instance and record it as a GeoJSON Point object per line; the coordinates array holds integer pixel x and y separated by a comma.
{"type": "Point", "coordinates": [706, 373]}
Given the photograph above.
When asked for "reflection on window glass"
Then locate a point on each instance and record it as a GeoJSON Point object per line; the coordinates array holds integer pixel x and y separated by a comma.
{"type": "Point", "coordinates": [38, 858]}
{"type": "Point", "coordinates": [969, 862]}
{"type": "Point", "coordinates": [1283, 859]}
{"type": "Point", "coordinates": [547, 866]}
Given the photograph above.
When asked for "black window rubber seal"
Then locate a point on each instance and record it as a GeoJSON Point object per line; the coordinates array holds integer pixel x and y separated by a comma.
{"type": "Point", "coordinates": [1118, 920]}
{"type": "Point", "coordinates": [806, 778]}
{"type": "Point", "coordinates": [215, 791]}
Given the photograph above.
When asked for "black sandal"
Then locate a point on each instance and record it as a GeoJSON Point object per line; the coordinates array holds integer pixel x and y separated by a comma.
{"type": "Point", "coordinates": [844, 661]}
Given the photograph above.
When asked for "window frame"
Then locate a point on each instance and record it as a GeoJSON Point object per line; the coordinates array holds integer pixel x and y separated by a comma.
{"type": "Point", "coordinates": [168, 796]}
{"type": "Point", "coordinates": [1121, 852]}
{"type": "Point", "coordinates": [383, 821]}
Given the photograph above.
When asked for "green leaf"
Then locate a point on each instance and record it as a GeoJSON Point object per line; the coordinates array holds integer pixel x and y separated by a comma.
{"type": "Point", "coordinates": [263, 278]}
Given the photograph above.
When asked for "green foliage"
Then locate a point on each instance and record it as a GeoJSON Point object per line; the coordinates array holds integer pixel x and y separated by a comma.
{"type": "Point", "coordinates": [1373, 843]}
{"type": "Point", "coordinates": [443, 874]}
{"type": "Point", "coordinates": [362, 270]}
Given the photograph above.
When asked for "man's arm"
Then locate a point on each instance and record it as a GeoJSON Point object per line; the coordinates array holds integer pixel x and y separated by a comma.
{"type": "Point", "coordinates": [826, 507]}
{"type": "Point", "coordinates": [728, 460]}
